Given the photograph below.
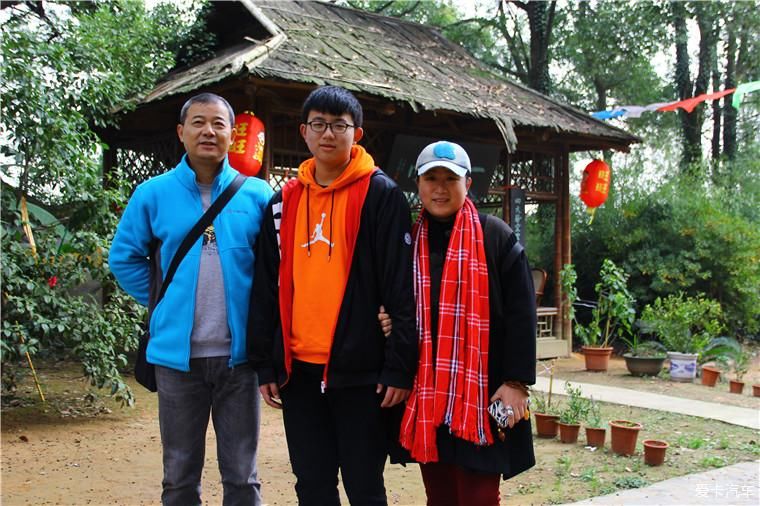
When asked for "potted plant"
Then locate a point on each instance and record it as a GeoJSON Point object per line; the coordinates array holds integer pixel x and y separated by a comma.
{"type": "Point", "coordinates": [654, 452]}
{"type": "Point", "coordinates": [741, 364]}
{"type": "Point", "coordinates": [595, 432]}
{"type": "Point", "coordinates": [545, 415]}
{"type": "Point", "coordinates": [613, 314]}
{"type": "Point", "coordinates": [717, 354]}
{"type": "Point", "coordinates": [687, 327]}
{"type": "Point", "coordinates": [623, 435]}
{"type": "Point", "coordinates": [570, 417]}
{"type": "Point", "coordinates": [644, 358]}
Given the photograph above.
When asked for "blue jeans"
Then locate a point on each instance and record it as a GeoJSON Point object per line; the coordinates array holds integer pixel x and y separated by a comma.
{"type": "Point", "coordinates": [184, 402]}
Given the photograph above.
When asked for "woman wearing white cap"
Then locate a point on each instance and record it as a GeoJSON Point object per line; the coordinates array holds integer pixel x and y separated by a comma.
{"type": "Point", "coordinates": [476, 321]}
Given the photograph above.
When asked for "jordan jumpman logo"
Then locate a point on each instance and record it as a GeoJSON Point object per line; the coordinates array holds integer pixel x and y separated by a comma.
{"type": "Point", "coordinates": [317, 236]}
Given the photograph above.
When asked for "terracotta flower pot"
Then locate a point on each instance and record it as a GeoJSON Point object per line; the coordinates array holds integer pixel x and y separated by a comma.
{"type": "Point", "coordinates": [595, 436]}
{"type": "Point", "coordinates": [597, 358]}
{"type": "Point", "coordinates": [710, 375]}
{"type": "Point", "coordinates": [756, 390]}
{"type": "Point", "coordinates": [568, 432]}
{"type": "Point", "coordinates": [736, 387]}
{"type": "Point", "coordinates": [546, 425]}
{"type": "Point", "coordinates": [623, 435]}
{"type": "Point", "coordinates": [654, 452]}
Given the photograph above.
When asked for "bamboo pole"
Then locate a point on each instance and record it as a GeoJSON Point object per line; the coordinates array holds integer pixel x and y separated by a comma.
{"type": "Point", "coordinates": [551, 381]}
{"type": "Point", "coordinates": [28, 231]}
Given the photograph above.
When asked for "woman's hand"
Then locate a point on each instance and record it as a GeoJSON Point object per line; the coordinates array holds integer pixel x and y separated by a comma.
{"type": "Point", "coordinates": [515, 397]}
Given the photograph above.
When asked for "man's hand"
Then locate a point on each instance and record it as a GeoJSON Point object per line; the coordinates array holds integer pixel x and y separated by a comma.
{"type": "Point", "coordinates": [393, 395]}
{"type": "Point", "coordinates": [271, 394]}
{"type": "Point", "coordinates": [514, 397]}
{"type": "Point", "coordinates": [386, 324]}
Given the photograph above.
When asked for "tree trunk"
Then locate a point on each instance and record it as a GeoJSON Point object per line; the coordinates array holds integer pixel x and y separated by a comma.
{"type": "Point", "coordinates": [716, 111]}
{"type": "Point", "coordinates": [540, 20]}
{"type": "Point", "coordinates": [601, 95]}
{"type": "Point", "coordinates": [729, 113]}
{"type": "Point", "coordinates": [690, 141]}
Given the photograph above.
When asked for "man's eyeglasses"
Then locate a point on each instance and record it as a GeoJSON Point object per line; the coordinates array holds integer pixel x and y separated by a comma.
{"type": "Point", "coordinates": [320, 126]}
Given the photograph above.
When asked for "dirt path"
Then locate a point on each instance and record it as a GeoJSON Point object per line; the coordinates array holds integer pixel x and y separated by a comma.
{"type": "Point", "coordinates": [115, 458]}
{"type": "Point", "coordinates": [70, 455]}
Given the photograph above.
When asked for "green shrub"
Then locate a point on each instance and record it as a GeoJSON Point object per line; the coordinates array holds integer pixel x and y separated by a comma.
{"type": "Point", "coordinates": [684, 324]}
{"type": "Point", "coordinates": [593, 416]}
{"type": "Point", "coordinates": [683, 236]}
{"type": "Point", "coordinates": [615, 310]}
{"type": "Point", "coordinates": [576, 406]}
{"type": "Point", "coordinates": [52, 307]}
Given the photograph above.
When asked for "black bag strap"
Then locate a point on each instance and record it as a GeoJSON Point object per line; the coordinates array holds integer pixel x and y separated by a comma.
{"type": "Point", "coordinates": [198, 229]}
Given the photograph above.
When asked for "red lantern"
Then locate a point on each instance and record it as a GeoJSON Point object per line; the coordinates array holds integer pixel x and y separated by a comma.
{"type": "Point", "coordinates": [247, 150]}
{"type": "Point", "coordinates": [595, 185]}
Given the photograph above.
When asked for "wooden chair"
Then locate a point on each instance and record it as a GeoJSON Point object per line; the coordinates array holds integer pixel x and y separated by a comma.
{"type": "Point", "coordinates": [539, 283]}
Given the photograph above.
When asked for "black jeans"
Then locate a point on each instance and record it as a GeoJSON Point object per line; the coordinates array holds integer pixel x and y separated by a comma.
{"type": "Point", "coordinates": [339, 429]}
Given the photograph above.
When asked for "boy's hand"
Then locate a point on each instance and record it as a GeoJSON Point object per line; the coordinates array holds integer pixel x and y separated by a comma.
{"type": "Point", "coordinates": [271, 394]}
{"type": "Point", "coordinates": [393, 395]}
{"type": "Point", "coordinates": [386, 324]}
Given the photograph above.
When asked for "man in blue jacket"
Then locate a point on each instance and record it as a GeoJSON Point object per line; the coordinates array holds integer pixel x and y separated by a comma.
{"type": "Point", "coordinates": [198, 330]}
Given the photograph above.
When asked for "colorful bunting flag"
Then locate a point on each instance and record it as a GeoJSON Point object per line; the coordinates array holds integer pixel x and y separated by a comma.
{"type": "Point", "coordinates": [689, 104]}
{"type": "Point", "coordinates": [741, 90]}
{"type": "Point", "coordinates": [635, 111]}
{"type": "Point", "coordinates": [608, 114]}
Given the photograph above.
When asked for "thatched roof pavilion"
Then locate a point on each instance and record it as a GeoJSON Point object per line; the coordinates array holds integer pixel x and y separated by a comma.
{"type": "Point", "coordinates": [415, 86]}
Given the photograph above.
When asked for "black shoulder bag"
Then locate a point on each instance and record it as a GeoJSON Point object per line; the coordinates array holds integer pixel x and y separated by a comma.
{"type": "Point", "coordinates": [145, 373]}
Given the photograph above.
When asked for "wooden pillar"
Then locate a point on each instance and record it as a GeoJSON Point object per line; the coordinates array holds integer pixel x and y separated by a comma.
{"type": "Point", "coordinates": [567, 326]}
{"type": "Point", "coordinates": [260, 109]}
{"type": "Point", "coordinates": [268, 138]}
{"type": "Point", "coordinates": [506, 182]}
{"type": "Point", "coordinates": [505, 209]}
{"type": "Point", "coordinates": [558, 240]}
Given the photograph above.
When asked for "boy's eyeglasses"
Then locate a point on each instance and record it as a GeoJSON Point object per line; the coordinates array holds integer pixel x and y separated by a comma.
{"type": "Point", "coordinates": [337, 128]}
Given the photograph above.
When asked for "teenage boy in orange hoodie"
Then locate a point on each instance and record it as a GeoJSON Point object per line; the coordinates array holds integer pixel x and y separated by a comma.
{"type": "Point", "coordinates": [334, 247]}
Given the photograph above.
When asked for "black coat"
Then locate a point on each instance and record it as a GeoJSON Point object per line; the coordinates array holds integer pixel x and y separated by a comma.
{"type": "Point", "coordinates": [511, 355]}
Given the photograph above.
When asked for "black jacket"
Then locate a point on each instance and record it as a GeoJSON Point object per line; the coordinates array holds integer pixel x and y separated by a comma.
{"type": "Point", "coordinates": [511, 357]}
{"type": "Point", "coordinates": [381, 274]}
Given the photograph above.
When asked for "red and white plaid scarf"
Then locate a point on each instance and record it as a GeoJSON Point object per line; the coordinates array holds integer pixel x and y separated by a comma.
{"type": "Point", "coordinates": [454, 390]}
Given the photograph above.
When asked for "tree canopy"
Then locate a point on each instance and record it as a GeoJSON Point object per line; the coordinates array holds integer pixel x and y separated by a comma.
{"type": "Point", "coordinates": [66, 67]}
{"type": "Point", "coordinates": [681, 214]}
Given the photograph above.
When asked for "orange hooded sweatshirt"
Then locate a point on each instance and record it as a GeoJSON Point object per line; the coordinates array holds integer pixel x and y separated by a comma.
{"type": "Point", "coordinates": [322, 253]}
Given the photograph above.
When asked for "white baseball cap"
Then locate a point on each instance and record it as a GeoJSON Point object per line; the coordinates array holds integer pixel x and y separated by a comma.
{"type": "Point", "coordinates": [444, 154]}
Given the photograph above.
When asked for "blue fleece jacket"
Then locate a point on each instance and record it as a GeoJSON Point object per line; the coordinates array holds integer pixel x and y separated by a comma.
{"type": "Point", "coordinates": [164, 209]}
